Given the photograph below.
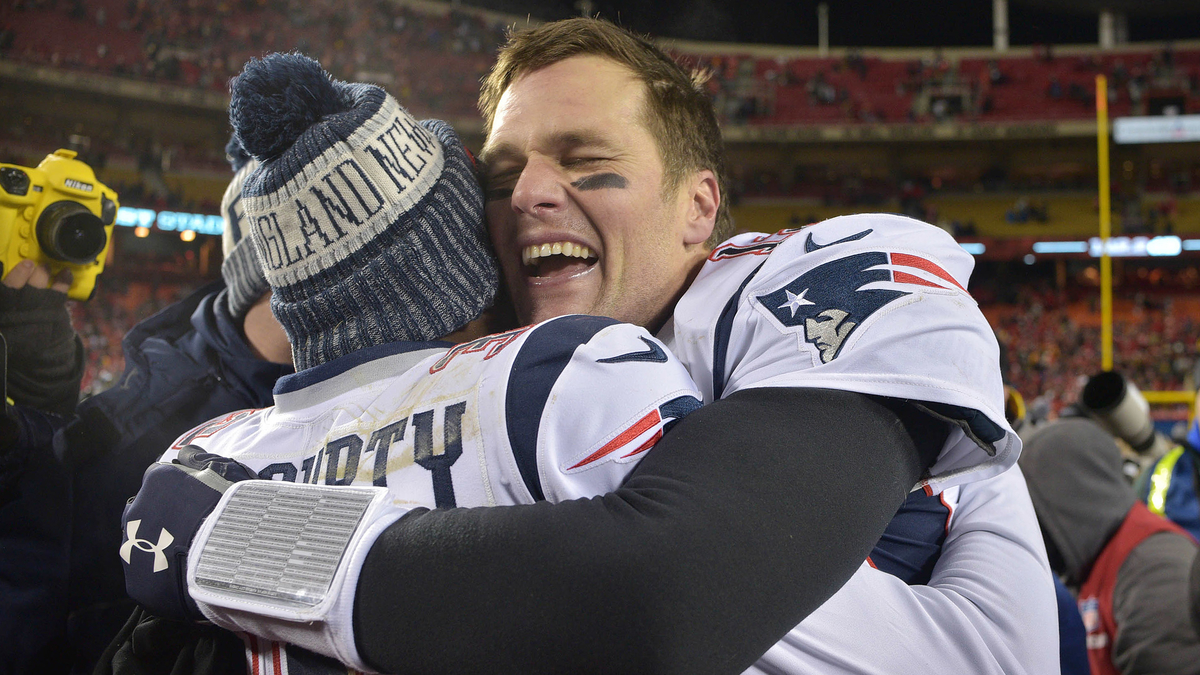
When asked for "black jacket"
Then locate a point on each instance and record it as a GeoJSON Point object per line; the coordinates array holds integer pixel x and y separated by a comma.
{"type": "Point", "coordinates": [183, 366]}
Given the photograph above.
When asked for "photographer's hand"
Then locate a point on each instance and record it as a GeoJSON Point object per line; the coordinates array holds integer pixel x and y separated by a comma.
{"type": "Point", "coordinates": [27, 273]}
{"type": "Point", "coordinates": [45, 356]}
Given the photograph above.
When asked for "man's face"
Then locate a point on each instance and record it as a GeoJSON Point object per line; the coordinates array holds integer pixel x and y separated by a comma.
{"type": "Point", "coordinates": [827, 331]}
{"type": "Point", "coordinates": [575, 201]}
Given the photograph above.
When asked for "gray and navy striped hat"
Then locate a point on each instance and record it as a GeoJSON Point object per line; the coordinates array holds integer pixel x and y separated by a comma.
{"type": "Point", "coordinates": [368, 224]}
{"type": "Point", "coordinates": [244, 280]}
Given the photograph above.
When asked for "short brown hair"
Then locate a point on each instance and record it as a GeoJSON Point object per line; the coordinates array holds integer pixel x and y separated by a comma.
{"type": "Point", "coordinates": [678, 112]}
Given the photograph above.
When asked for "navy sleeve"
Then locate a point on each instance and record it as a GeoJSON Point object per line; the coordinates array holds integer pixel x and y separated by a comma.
{"type": "Point", "coordinates": [745, 518]}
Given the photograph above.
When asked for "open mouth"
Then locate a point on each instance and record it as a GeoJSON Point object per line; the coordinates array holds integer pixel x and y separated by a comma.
{"type": "Point", "coordinates": [556, 259]}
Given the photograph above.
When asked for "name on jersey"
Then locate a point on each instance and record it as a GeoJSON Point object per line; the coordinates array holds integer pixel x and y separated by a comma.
{"type": "Point", "coordinates": [337, 463]}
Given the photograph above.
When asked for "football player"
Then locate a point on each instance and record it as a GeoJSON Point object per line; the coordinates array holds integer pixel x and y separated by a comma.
{"type": "Point", "coordinates": [604, 197]}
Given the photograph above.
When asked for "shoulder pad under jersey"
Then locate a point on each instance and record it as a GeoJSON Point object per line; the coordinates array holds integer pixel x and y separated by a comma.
{"type": "Point", "coordinates": [875, 304]}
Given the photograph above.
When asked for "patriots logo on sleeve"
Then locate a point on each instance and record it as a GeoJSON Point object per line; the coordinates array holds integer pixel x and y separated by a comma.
{"type": "Point", "coordinates": [831, 301]}
{"type": "Point", "coordinates": [660, 420]}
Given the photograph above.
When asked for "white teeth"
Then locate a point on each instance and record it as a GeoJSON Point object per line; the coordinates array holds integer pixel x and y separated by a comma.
{"type": "Point", "coordinates": [569, 249]}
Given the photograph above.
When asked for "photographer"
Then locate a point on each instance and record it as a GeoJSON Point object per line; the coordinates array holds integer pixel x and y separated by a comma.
{"type": "Point", "coordinates": [44, 361]}
{"type": "Point", "coordinates": [45, 364]}
{"type": "Point", "coordinates": [1129, 568]}
{"type": "Point", "coordinates": [216, 351]}
{"type": "Point", "coordinates": [45, 357]}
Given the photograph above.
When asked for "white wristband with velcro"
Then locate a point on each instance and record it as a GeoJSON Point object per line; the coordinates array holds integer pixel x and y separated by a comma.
{"type": "Point", "coordinates": [281, 560]}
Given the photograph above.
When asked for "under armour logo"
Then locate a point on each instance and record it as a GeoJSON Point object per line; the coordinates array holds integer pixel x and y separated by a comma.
{"type": "Point", "coordinates": [164, 540]}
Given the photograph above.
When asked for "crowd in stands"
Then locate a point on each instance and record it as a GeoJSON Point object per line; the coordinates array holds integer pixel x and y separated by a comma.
{"type": "Point", "coordinates": [1053, 341]}
{"type": "Point", "coordinates": [433, 61]}
{"type": "Point", "coordinates": [861, 88]}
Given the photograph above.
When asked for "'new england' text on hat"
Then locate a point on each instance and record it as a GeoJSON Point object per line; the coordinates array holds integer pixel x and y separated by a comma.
{"type": "Point", "coordinates": [340, 194]}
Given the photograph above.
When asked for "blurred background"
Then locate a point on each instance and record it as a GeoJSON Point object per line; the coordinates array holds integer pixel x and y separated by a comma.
{"type": "Point", "coordinates": [980, 120]}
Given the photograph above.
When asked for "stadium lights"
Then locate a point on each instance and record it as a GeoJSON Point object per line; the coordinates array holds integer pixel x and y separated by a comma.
{"type": "Point", "coordinates": [170, 221]}
{"type": "Point", "coordinates": [141, 232]}
{"type": "Point", "coordinates": [1122, 247]}
{"type": "Point", "coordinates": [188, 235]}
{"type": "Point", "coordinates": [973, 248]}
{"type": "Point", "coordinates": [1157, 129]}
{"type": "Point", "coordinates": [1060, 247]}
{"type": "Point", "coordinates": [1130, 247]}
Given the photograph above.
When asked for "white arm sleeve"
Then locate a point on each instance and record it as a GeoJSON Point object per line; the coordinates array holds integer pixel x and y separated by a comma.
{"type": "Point", "coordinates": [989, 607]}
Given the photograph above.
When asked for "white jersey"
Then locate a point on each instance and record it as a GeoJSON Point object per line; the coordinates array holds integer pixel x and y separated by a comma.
{"type": "Point", "coordinates": [555, 411]}
{"type": "Point", "coordinates": [875, 304]}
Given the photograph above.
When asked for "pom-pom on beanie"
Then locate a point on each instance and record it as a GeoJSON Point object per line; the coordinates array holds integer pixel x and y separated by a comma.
{"type": "Point", "coordinates": [368, 224]}
{"type": "Point", "coordinates": [244, 280]}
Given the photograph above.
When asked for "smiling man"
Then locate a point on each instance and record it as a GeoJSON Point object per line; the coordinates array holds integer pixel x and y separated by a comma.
{"type": "Point", "coordinates": [841, 364]}
{"type": "Point", "coordinates": [582, 168]}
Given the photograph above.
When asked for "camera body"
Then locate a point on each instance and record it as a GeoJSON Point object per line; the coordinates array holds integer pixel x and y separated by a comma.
{"type": "Point", "coordinates": [57, 215]}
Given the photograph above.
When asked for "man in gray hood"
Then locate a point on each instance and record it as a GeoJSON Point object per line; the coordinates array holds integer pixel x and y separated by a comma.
{"type": "Point", "coordinates": [1128, 566]}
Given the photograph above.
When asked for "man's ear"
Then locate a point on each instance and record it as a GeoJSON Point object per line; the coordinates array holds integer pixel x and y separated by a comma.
{"type": "Point", "coordinates": [704, 198]}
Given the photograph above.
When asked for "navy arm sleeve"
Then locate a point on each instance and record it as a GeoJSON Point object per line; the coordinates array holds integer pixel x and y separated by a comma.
{"type": "Point", "coordinates": [745, 518]}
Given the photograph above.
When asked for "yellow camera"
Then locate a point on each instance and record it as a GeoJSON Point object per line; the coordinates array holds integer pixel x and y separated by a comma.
{"type": "Point", "coordinates": [56, 215]}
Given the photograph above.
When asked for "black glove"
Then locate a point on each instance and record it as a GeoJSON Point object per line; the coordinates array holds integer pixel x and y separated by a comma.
{"type": "Point", "coordinates": [162, 519]}
{"type": "Point", "coordinates": [151, 645]}
{"type": "Point", "coordinates": [45, 356]}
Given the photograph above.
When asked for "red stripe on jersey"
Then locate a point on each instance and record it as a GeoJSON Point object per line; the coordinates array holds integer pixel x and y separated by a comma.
{"type": "Point", "coordinates": [920, 263]}
{"type": "Point", "coordinates": [276, 658]}
{"type": "Point", "coordinates": [928, 490]}
{"type": "Point", "coordinates": [647, 445]}
{"type": "Point", "coordinates": [871, 563]}
{"type": "Point", "coordinates": [949, 510]}
{"type": "Point", "coordinates": [252, 654]}
{"type": "Point", "coordinates": [639, 427]}
{"type": "Point", "coordinates": [906, 278]}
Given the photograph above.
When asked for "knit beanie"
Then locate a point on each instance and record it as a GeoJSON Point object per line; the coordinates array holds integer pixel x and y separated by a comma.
{"type": "Point", "coordinates": [367, 223]}
{"type": "Point", "coordinates": [244, 280]}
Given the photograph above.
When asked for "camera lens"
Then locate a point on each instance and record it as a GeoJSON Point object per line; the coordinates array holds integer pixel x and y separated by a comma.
{"type": "Point", "coordinates": [67, 231]}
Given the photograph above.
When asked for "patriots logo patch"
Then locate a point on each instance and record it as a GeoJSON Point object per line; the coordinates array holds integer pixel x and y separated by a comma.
{"type": "Point", "coordinates": [830, 301]}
